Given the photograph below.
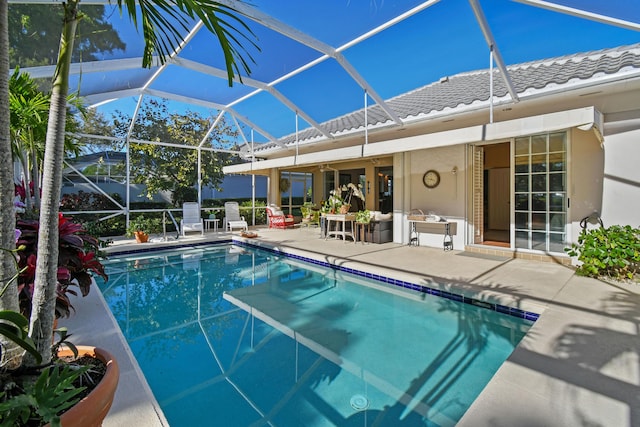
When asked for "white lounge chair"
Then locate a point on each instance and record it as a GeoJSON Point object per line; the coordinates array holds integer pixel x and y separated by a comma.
{"type": "Point", "coordinates": [191, 218]}
{"type": "Point", "coordinates": [232, 217]}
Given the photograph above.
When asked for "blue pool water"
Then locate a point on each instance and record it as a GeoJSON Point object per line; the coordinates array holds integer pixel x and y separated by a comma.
{"type": "Point", "coordinates": [232, 336]}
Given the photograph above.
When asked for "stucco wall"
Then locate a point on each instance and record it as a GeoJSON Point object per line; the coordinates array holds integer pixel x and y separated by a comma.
{"type": "Point", "coordinates": [621, 186]}
{"type": "Point", "coordinates": [586, 163]}
{"type": "Point", "coordinates": [446, 200]}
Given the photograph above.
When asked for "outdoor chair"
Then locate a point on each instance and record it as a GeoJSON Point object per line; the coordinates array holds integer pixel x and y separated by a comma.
{"type": "Point", "coordinates": [191, 218]}
{"type": "Point", "coordinates": [232, 217]}
{"type": "Point", "coordinates": [277, 218]}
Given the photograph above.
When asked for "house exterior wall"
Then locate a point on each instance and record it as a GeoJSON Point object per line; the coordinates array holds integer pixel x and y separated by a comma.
{"type": "Point", "coordinates": [586, 166]}
{"type": "Point", "coordinates": [446, 200]}
{"type": "Point", "coordinates": [587, 173]}
{"type": "Point", "coordinates": [621, 180]}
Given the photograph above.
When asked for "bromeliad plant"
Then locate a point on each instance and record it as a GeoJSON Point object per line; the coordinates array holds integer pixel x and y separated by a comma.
{"type": "Point", "coordinates": [78, 261]}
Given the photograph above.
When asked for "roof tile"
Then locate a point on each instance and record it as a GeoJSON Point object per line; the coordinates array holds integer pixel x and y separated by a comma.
{"type": "Point", "coordinates": [467, 88]}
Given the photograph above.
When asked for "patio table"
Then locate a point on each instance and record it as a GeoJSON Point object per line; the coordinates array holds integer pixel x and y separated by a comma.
{"type": "Point", "coordinates": [340, 220]}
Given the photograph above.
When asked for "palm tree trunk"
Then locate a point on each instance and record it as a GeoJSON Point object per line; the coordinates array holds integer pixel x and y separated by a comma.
{"type": "Point", "coordinates": [8, 299]}
{"type": "Point", "coordinates": [35, 178]}
{"type": "Point", "coordinates": [25, 180]}
{"type": "Point", "coordinates": [44, 294]}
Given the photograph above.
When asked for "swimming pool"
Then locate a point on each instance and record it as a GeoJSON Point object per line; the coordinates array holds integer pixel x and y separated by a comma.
{"type": "Point", "coordinates": [235, 336]}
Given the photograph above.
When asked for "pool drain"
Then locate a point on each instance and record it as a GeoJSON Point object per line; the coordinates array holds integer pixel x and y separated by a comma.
{"type": "Point", "coordinates": [359, 402]}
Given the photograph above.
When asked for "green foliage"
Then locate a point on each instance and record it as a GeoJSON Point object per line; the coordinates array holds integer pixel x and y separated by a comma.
{"type": "Point", "coordinates": [83, 201]}
{"type": "Point", "coordinates": [21, 398]}
{"type": "Point", "coordinates": [310, 213]}
{"type": "Point", "coordinates": [608, 252]}
{"type": "Point", "coordinates": [32, 28]}
{"type": "Point", "coordinates": [15, 327]}
{"type": "Point", "coordinates": [145, 224]}
{"type": "Point", "coordinates": [164, 168]}
{"type": "Point", "coordinates": [260, 212]}
{"type": "Point", "coordinates": [109, 227]}
{"type": "Point", "coordinates": [162, 34]}
{"type": "Point", "coordinates": [334, 202]}
{"type": "Point", "coordinates": [148, 204]}
{"type": "Point", "coordinates": [363, 217]}
{"type": "Point", "coordinates": [51, 394]}
{"type": "Point", "coordinates": [29, 113]}
{"type": "Point", "coordinates": [184, 194]}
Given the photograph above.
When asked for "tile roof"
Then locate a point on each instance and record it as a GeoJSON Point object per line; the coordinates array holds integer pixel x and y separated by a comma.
{"type": "Point", "coordinates": [466, 89]}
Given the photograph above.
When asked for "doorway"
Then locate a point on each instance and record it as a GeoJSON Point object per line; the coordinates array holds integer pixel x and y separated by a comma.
{"type": "Point", "coordinates": [384, 189]}
{"type": "Point", "coordinates": [492, 194]}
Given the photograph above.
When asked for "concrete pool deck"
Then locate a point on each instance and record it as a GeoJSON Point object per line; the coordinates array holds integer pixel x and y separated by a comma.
{"type": "Point", "coordinates": [578, 365]}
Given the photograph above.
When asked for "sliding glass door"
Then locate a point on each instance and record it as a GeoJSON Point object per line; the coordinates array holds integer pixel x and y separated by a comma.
{"type": "Point", "coordinates": [540, 199]}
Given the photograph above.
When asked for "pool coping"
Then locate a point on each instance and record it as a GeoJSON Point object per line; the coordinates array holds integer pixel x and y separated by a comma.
{"type": "Point", "coordinates": [360, 271]}
{"type": "Point", "coordinates": [411, 285]}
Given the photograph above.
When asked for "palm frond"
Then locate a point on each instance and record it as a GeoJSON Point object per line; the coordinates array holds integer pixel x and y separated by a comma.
{"type": "Point", "coordinates": [164, 21]}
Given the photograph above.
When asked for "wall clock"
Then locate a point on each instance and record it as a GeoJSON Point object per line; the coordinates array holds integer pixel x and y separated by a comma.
{"type": "Point", "coordinates": [431, 179]}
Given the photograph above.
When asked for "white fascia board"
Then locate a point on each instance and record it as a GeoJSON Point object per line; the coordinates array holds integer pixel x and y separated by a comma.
{"type": "Point", "coordinates": [580, 117]}
{"type": "Point", "coordinates": [420, 142]}
{"type": "Point", "coordinates": [585, 118]}
{"type": "Point", "coordinates": [330, 156]}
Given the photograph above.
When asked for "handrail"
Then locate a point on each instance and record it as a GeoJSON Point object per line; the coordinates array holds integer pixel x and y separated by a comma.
{"type": "Point", "coordinates": [164, 224]}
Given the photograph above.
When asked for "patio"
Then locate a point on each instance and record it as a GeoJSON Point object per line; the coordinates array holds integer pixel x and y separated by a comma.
{"type": "Point", "coordinates": [577, 365]}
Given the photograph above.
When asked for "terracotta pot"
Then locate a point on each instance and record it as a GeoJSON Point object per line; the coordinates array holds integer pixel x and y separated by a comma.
{"type": "Point", "coordinates": [92, 410]}
{"type": "Point", "coordinates": [141, 236]}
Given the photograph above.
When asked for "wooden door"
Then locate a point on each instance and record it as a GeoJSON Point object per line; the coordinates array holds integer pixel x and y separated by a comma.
{"type": "Point", "coordinates": [498, 199]}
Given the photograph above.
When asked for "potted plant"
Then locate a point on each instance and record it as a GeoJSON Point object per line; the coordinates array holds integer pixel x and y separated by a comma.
{"type": "Point", "coordinates": [334, 202]}
{"type": "Point", "coordinates": [76, 387]}
{"type": "Point", "coordinates": [307, 211]}
{"type": "Point", "coordinates": [141, 227]}
{"type": "Point", "coordinates": [339, 204]}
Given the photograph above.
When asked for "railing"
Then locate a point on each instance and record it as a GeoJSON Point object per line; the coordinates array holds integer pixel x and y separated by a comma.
{"type": "Point", "coordinates": [164, 224]}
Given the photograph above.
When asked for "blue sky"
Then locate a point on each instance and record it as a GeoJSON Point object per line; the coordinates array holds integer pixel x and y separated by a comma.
{"type": "Point", "coordinates": [443, 40]}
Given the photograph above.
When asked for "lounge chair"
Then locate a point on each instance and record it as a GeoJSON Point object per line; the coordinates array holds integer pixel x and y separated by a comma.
{"type": "Point", "coordinates": [232, 217]}
{"type": "Point", "coordinates": [277, 218]}
{"type": "Point", "coordinates": [191, 218]}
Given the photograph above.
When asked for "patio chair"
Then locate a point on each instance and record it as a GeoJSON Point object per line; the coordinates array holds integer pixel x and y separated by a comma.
{"type": "Point", "coordinates": [191, 218]}
{"type": "Point", "coordinates": [277, 218]}
{"type": "Point", "coordinates": [232, 217]}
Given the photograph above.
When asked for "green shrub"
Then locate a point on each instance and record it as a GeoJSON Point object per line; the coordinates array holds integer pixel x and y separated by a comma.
{"type": "Point", "coordinates": [247, 212]}
{"type": "Point", "coordinates": [612, 252]}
